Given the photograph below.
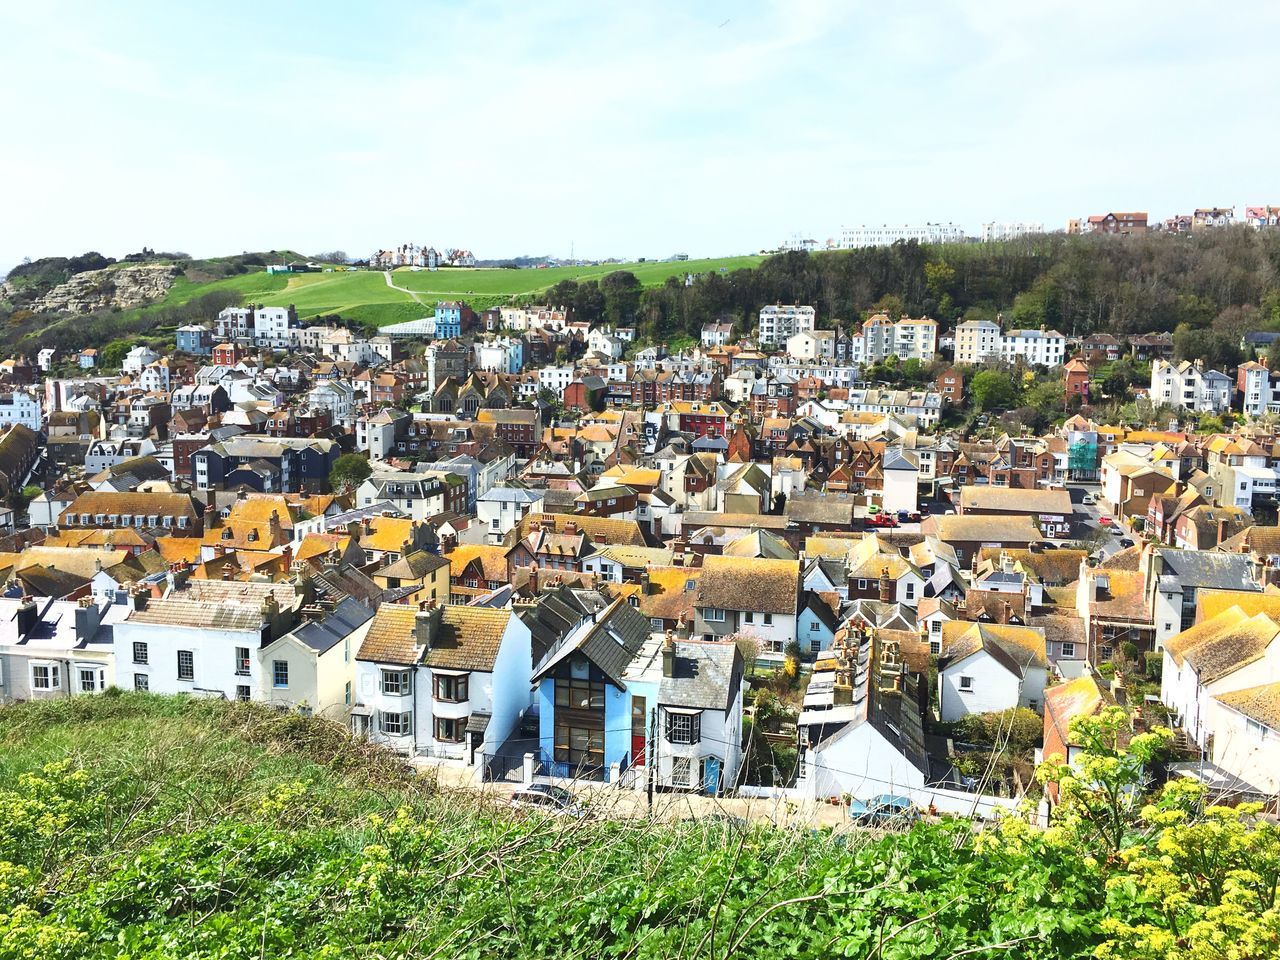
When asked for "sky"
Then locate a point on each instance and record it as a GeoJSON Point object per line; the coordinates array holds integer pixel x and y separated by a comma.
{"type": "Point", "coordinates": [624, 130]}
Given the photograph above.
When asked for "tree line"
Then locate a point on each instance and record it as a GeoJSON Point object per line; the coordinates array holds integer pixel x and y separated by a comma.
{"type": "Point", "coordinates": [1224, 281]}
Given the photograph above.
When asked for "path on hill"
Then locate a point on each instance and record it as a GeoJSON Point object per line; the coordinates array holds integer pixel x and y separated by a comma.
{"type": "Point", "coordinates": [386, 275]}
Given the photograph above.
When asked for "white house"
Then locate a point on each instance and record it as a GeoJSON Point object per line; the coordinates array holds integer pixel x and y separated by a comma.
{"type": "Point", "coordinates": [500, 510]}
{"type": "Point", "coordinates": [199, 647]}
{"type": "Point", "coordinates": [313, 667]}
{"type": "Point", "coordinates": [756, 595]}
{"type": "Point", "coordinates": [448, 682]}
{"type": "Point", "coordinates": [1189, 386]}
{"type": "Point", "coordinates": [988, 667]}
{"type": "Point", "coordinates": [137, 358]}
{"type": "Point", "coordinates": [901, 478]}
{"type": "Point", "coordinates": [271, 327]}
{"type": "Point", "coordinates": [21, 407]}
{"type": "Point", "coordinates": [56, 648]}
{"type": "Point", "coordinates": [1045, 348]}
{"type": "Point", "coordinates": [555, 379]}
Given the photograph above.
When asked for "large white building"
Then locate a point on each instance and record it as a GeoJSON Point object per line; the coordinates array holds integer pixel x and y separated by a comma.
{"type": "Point", "coordinates": [1189, 386]}
{"type": "Point", "coordinates": [20, 407]}
{"type": "Point", "coordinates": [863, 236]}
{"type": "Point", "coordinates": [1009, 231]}
{"type": "Point", "coordinates": [780, 322]}
{"type": "Point", "coordinates": [907, 339]}
{"type": "Point", "coordinates": [1044, 348]}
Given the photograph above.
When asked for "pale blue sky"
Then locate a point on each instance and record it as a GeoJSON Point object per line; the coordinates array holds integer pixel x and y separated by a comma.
{"type": "Point", "coordinates": [630, 130]}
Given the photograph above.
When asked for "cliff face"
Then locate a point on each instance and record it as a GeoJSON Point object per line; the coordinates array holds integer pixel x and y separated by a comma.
{"type": "Point", "coordinates": [121, 287]}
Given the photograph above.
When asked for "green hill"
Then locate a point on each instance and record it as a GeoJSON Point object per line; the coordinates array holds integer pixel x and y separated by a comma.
{"type": "Point", "coordinates": [147, 827]}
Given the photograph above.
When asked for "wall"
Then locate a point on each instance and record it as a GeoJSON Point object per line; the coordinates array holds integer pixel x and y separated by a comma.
{"type": "Point", "coordinates": [1243, 752]}
{"type": "Point", "coordinates": [214, 656]}
{"type": "Point", "coordinates": [509, 682]}
{"type": "Point", "coordinates": [302, 674]}
{"type": "Point", "coordinates": [994, 687]}
{"type": "Point", "coordinates": [862, 764]}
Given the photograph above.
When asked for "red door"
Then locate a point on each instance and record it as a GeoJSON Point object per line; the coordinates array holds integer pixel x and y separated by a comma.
{"type": "Point", "coordinates": [638, 718]}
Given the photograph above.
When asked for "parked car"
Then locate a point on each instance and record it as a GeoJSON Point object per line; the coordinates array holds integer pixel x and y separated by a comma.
{"type": "Point", "coordinates": [884, 810]}
{"type": "Point", "coordinates": [1116, 531]}
{"type": "Point", "coordinates": [1126, 542]}
{"type": "Point", "coordinates": [881, 520]}
{"type": "Point", "coordinates": [545, 798]}
{"type": "Point", "coordinates": [1089, 498]}
{"type": "Point", "coordinates": [1106, 521]}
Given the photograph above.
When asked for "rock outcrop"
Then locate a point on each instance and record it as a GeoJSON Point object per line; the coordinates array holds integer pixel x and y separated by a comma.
{"type": "Point", "coordinates": [122, 287]}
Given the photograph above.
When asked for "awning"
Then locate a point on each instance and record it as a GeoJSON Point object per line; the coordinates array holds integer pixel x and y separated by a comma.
{"type": "Point", "coordinates": [360, 710]}
{"type": "Point", "coordinates": [437, 671]}
{"type": "Point", "coordinates": [478, 723]}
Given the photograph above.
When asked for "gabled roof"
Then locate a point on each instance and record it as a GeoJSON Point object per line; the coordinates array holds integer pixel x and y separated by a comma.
{"type": "Point", "coordinates": [610, 640]}
{"type": "Point", "coordinates": [1260, 703]}
{"type": "Point", "coordinates": [754, 584]}
{"type": "Point", "coordinates": [1016, 647]}
{"type": "Point", "coordinates": [1224, 644]}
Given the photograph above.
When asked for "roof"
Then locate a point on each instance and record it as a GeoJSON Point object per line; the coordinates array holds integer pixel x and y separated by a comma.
{"type": "Point", "coordinates": [493, 560]}
{"type": "Point", "coordinates": [322, 634]}
{"type": "Point", "coordinates": [413, 566]}
{"type": "Point", "coordinates": [1012, 500]}
{"type": "Point", "coordinates": [1224, 644]}
{"type": "Point", "coordinates": [705, 676]}
{"type": "Point", "coordinates": [1080, 697]}
{"type": "Point", "coordinates": [992, 529]}
{"type": "Point", "coordinates": [610, 640]}
{"type": "Point", "coordinates": [669, 596]}
{"type": "Point", "coordinates": [108, 502]}
{"type": "Point", "coordinates": [1017, 647]}
{"type": "Point", "coordinates": [180, 611]}
{"type": "Point", "coordinates": [755, 584]}
{"type": "Point", "coordinates": [600, 530]}
{"type": "Point", "coordinates": [468, 638]}
{"type": "Point", "coordinates": [759, 543]}
{"type": "Point", "coordinates": [1261, 703]}
{"type": "Point", "coordinates": [1204, 568]}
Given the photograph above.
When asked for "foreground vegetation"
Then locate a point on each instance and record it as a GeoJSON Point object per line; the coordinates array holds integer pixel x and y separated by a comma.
{"type": "Point", "coordinates": [139, 826]}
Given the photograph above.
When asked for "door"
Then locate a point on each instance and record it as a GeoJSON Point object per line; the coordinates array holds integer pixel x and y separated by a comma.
{"type": "Point", "coordinates": [711, 775]}
{"type": "Point", "coordinates": [639, 735]}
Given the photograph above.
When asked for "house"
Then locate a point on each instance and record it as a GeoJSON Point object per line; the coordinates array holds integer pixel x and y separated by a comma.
{"type": "Point", "coordinates": [449, 682]}
{"type": "Point", "coordinates": [861, 731]}
{"type": "Point", "coordinates": [159, 514]}
{"type": "Point", "coordinates": [1075, 379]}
{"type": "Point", "coordinates": [185, 644]}
{"type": "Point", "coordinates": [716, 334]}
{"type": "Point", "coordinates": [1187, 385]}
{"type": "Point", "coordinates": [591, 724]}
{"type": "Point", "coordinates": [987, 667]}
{"type": "Point", "coordinates": [1050, 509]}
{"type": "Point", "coordinates": [950, 386]}
{"type": "Point", "coordinates": [1082, 696]}
{"type": "Point", "coordinates": [194, 339]}
{"type": "Point", "coordinates": [755, 596]}
{"type": "Point", "coordinates": [967, 535]}
{"type": "Point", "coordinates": [312, 667]}
{"type": "Point", "coordinates": [780, 322]}
{"type": "Point", "coordinates": [501, 509]}
{"type": "Point", "coordinates": [416, 576]}
{"type": "Point", "coordinates": [57, 648]}
{"type": "Point", "coordinates": [1177, 582]}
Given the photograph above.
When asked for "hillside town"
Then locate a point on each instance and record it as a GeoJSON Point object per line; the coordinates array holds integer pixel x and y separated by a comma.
{"type": "Point", "coordinates": [525, 548]}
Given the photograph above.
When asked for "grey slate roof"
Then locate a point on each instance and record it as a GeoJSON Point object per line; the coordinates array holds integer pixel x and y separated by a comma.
{"type": "Point", "coordinates": [611, 643]}
{"type": "Point", "coordinates": [1201, 568]}
{"type": "Point", "coordinates": [706, 676]}
{"type": "Point", "coordinates": [321, 635]}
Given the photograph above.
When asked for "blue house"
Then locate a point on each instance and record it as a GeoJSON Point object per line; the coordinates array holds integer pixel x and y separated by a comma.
{"type": "Point", "coordinates": [195, 340]}
{"type": "Point", "coordinates": [817, 623]}
{"type": "Point", "coordinates": [619, 703]}
{"type": "Point", "coordinates": [450, 316]}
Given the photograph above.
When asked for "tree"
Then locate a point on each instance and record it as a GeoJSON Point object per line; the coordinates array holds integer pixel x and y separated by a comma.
{"type": "Point", "coordinates": [1101, 793]}
{"type": "Point", "coordinates": [890, 304]}
{"type": "Point", "coordinates": [349, 471]}
{"type": "Point", "coordinates": [993, 390]}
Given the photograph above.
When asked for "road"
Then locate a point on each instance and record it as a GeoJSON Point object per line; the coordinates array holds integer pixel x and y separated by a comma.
{"type": "Point", "coordinates": [1088, 516]}
{"type": "Point", "coordinates": [386, 275]}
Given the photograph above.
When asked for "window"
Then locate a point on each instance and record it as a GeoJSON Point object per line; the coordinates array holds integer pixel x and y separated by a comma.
{"type": "Point", "coordinates": [1068, 650]}
{"type": "Point", "coordinates": [186, 665]}
{"type": "Point", "coordinates": [909, 590]}
{"type": "Point", "coordinates": [682, 772]}
{"type": "Point", "coordinates": [242, 692]}
{"type": "Point", "coordinates": [45, 676]}
{"type": "Point", "coordinates": [280, 673]}
{"type": "Point", "coordinates": [749, 618]}
{"type": "Point", "coordinates": [89, 682]}
{"type": "Point", "coordinates": [768, 619]}
{"type": "Point", "coordinates": [862, 584]}
{"type": "Point", "coordinates": [396, 683]}
{"type": "Point", "coordinates": [935, 647]}
{"type": "Point", "coordinates": [139, 652]}
{"type": "Point", "coordinates": [449, 689]}
{"type": "Point", "coordinates": [450, 731]}
{"type": "Point", "coordinates": [713, 614]}
{"type": "Point", "coordinates": [684, 727]}
{"type": "Point", "coordinates": [396, 724]}
{"type": "Point", "coordinates": [141, 682]}
{"type": "Point", "coordinates": [1260, 730]}
{"type": "Point", "coordinates": [655, 622]}
{"type": "Point", "coordinates": [966, 683]}
{"type": "Point", "coordinates": [346, 694]}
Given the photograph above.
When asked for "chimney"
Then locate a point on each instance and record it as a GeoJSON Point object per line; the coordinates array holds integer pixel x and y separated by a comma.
{"type": "Point", "coordinates": [426, 623]}
{"type": "Point", "coordinates": [139, 596]}
{"type": "Point", "coordinates": [886, 586]}
{"type": "Point", "coordinates": [226, 572]}
{"type": "Point", "coordinates": [1006, 611]}
{"type": "Point", "coordinates": [273, 523]}
{"type": "Point", "coordinates": [571, 528]}
{"type": "Point", "coordinates": [447, 544]}
{"type": "Point", "coordinates": [366, 524]}
{"type": "Point", "coordinates": [533, 578]}
{"type": "Point", "coordinates": [88, 616]}
{"type": "Point", "coordinates": [28, 616]}
{"type": "Point", "coordinates": [669, 655]}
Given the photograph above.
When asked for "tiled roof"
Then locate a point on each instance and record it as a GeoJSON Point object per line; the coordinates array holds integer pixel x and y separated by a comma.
{"type": "Point", "coordinates": [758, 585]}
{"type": "Point", "coordinates": [468, 638]}
{"type": "Point", "coordinates": [1016, 646]}
{"type": "Point", "coordinates": [493, 560]}
{"type": "Point", "coordinates": [1224, 644]}
{"type": "Point", "coordinates": [669, 596]}
{"type": "Point", "coordinates": [1261, 703]}
{"type": "Point", "coordinates": [200, 614]}
{"type": "Point", "coordinates": [391, 637]}
{"type": "Point", "coordinates": [106, 502]}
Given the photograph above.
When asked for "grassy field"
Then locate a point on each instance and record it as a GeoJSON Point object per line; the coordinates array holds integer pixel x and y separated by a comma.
{"type": "Point", "coordinates": [364, 295]}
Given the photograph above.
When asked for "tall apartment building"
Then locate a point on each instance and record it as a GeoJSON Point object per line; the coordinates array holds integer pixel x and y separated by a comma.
{"type": "Point", "coordinates": [976, 341]}
{"type": "Point", "coordinates": [778, 322]}
{"type": "Point", "coordinates": [1009, 231]}
{"type": "Point", "coordinates": [851, 238]}
{"type": "Point", "coordinates": [906, 339]}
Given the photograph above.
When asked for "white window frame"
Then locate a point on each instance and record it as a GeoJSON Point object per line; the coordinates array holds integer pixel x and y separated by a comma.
{"type": "Point", "coordinates": [51, 674]}
{"type": "Point", "coordinates": [966, 684]}
{"type": "Point", "coordinates": [275, 674]}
